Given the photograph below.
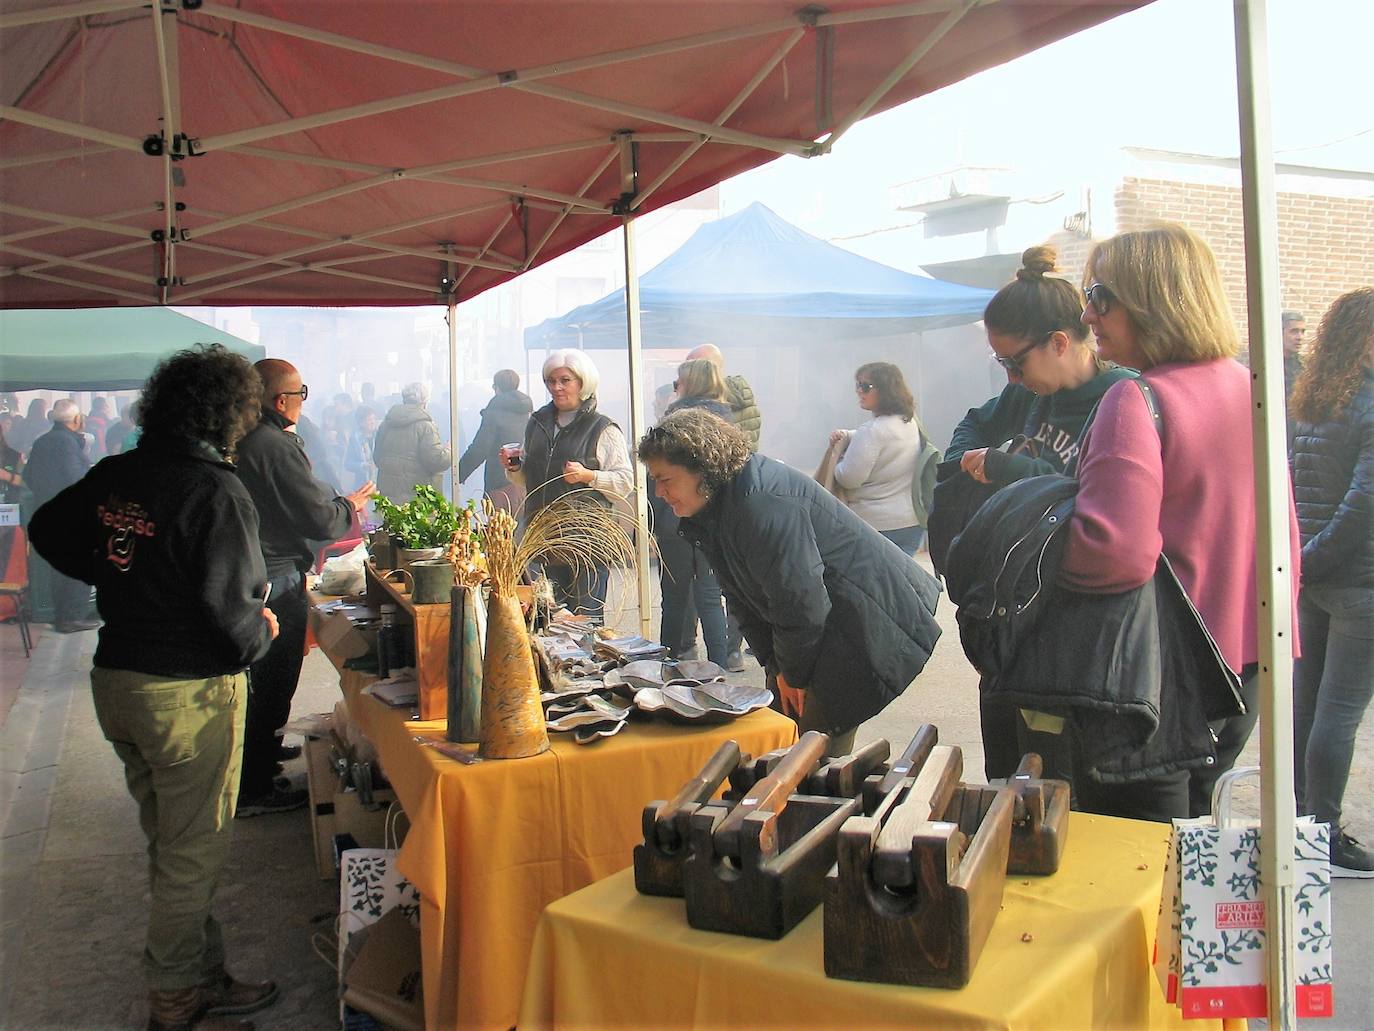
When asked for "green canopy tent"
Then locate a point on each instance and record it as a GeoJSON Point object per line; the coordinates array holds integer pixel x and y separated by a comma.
{"type": "Point", "coordinates": [98, 348]}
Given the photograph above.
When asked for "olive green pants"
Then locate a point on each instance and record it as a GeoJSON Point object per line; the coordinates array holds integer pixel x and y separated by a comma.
{"type": "Point", "coordinates": [181, 742]}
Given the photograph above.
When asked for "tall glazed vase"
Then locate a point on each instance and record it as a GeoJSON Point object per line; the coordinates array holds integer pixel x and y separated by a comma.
{"type": "Point", "coordinates": [467, 630]}
{"type": "Point", "coordinates": [512, 719]}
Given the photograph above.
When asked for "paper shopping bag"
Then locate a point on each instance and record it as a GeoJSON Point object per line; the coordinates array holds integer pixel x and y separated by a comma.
{"type": "Point", "coordinates": [1221, 937]}
{"type": "Point", "coordinates": [370, 886]}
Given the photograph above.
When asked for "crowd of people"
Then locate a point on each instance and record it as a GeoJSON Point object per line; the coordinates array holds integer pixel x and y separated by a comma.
{"type": "Point", "coordinates": [1125, 407]}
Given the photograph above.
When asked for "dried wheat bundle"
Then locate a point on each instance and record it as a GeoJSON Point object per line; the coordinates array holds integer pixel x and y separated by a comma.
{"type": "Point", "coordinates": [577, 532]}
{"type": "Point", "coordinates": [502, 565]}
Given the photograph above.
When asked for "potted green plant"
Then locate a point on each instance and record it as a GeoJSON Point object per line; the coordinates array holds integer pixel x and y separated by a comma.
{"type": "Point", "coordinates": [421, 528]}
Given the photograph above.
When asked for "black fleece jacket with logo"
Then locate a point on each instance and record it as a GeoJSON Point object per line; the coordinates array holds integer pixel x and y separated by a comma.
{"type": "Point", "coordinates": [169, 538]}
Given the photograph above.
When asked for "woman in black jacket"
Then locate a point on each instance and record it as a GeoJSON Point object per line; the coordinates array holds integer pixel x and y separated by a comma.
{"type": "Point", "coordinates": [840, 618]}
{"type": "Point", "coordinates": [1332, 457]}
{"type": "Point", "coordinates": [1055, 379]}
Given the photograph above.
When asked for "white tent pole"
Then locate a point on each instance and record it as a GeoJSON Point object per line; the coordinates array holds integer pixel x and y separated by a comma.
{"type": "Point", "coordinates": [81, 10]}
{"type": "Point", "coordinates": [29, 234]}
{"type": "Point", "coordinates": [895, 76]}
{"type": "Point", "coordinates": [55, 260]}
{"type": "Point", "coordinates": [637, 422]}
{"type": "Point", "coordinates": [54, 155]}
{"type": "Point", "coordinates": [64, 281]}
{"type": "Point", "coordinates": [566, 210]}
{"type": "Point", "coordinates": [749, 87]}
{"type": "Point", "coordinates": [1273, 553]}
{"type": "Point", "coordinates": [72, 222]}
{"type": "Point", "coordinates": [169, 86]}
{"type": "Point", "coordinates": [495, 233]}
{"type": "Point", "coordinates": [66, 128]}
{"type": "Point", "coordinates": [455, 431]}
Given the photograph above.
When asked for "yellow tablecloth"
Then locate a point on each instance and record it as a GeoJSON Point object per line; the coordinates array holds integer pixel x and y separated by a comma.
{"type": "Point", "coordinates": [607, 956]}
{"type": "Point", "coordinates": [491, 844]}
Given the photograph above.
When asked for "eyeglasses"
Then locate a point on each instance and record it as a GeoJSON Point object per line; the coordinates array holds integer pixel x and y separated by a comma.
{"type": "Point", "coordinates": [1100, 297]}
{"type": "Point", "coordinates": [864, 388]}
{"type": "Point", "coordinates": [304, 393]}
{"type": "Point", "coordinates": [675, 386]}
{"type": "Point", "coordinates": [560, 381]}
{"type": "Point", "coordinates": [1012, 363]}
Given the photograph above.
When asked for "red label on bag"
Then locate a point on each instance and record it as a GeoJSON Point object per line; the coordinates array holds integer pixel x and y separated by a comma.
{"type": "Point", "coordinates": [1240, 915]}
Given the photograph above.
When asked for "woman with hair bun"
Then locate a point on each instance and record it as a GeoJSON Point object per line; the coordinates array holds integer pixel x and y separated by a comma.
{"type": "Point", "coordinates": [1055, 379]}
{"type": "Point", "coordinates": [1332, 455]}
{"type": "Point", "coordinates": [879, 458]}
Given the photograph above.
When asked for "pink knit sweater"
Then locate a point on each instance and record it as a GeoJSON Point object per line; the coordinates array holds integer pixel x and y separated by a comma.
{"type": "Point", "coordinates": [1192, 498]}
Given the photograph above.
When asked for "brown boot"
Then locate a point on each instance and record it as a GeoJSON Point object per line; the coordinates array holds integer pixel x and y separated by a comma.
{"type": "Point", "coordinates": [226, 995]}
{"type": "Point", "coordinates": [184, 1008]}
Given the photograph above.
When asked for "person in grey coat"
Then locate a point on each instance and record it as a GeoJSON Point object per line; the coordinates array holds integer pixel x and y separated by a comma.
{"type": "Point", "coordinates": [408, 451]}
{"type": "Point", "coordinates": [840, 618]}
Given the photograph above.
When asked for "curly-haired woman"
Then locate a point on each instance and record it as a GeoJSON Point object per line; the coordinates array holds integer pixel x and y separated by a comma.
{"type": "Point", "coordinates": [838, 620]}
{"type": "Point", "coordinates": [1332, 455]}
{"type": "Point", "coordinates": [879, 457]}
{"type": "Point", "coordinates": [169, 537]}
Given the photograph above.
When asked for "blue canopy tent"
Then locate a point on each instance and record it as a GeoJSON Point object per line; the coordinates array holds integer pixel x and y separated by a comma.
{"type": "Point", "coordinates": [754, 276]}
{"type": "Point", "coordinates": [784, 305]}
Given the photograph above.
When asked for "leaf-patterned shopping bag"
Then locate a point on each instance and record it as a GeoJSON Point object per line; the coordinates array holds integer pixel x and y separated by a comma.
{"type": "Point", "coordinates": [1210, 944]}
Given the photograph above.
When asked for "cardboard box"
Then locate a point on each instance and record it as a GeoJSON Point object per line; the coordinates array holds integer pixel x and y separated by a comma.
{"type": "Point", "coordinates": [338, 635]}
{"type": "Point", "coordinates": [334, 810]}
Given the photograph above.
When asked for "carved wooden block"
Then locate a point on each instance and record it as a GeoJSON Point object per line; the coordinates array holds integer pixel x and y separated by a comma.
{"type": "Point", "coordinates": [759, 868]}
{"type": "Point", "coordinates": [918, 884]}
{"type": "Point", "coordinates": [1040, 821]}
{"type": "Point", "coordinates": [659, 860]}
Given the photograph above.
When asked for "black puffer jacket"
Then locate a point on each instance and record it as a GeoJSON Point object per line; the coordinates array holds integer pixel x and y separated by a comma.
{"type": "Point", "coordinates": [818, 593]}
{"type": "Point", "coordinates": [1136, 672]}
{"type": "Point", "coordinates": [1333, 486]}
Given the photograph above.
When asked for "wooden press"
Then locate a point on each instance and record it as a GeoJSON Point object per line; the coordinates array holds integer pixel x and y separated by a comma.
{"type": "Point", "coordinates": [917, 885]}
{"type": "Point", "coordinates": [758, 867]}
{"type": "Point", "coordinates": [661, 856]}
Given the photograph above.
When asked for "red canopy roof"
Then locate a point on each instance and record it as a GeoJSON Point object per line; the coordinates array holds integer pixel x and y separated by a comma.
{"type": "Point", "coordinates": [346, 151]}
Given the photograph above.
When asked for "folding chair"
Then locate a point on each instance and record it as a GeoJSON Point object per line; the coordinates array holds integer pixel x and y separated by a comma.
{"type": "Point", "coordinates": [16, 586]}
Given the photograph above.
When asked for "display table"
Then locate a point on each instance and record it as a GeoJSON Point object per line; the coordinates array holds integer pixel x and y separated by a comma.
{"type": "Point", "coordinates": [1068, 951]}
{"type": "Point", "coordinates": [491, 844]}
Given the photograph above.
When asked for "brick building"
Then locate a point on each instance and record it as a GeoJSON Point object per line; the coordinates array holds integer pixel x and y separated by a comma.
{"type": "Point", "coordinates": [1326, 224]}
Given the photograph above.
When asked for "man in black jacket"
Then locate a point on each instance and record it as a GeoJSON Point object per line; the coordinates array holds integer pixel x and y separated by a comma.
{"type": "Point", "coordinates": [58, 460]}
{"type": "Point", "coordinates": [294, 508]}
{"type": "Point", "coordinates": [169, 538]}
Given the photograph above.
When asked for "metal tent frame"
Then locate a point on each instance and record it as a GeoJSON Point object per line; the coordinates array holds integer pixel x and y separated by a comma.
{"type": "Point", "coordinates": [148, 149]}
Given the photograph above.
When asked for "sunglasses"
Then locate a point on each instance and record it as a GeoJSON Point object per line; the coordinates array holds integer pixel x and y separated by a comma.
{"type": "Point", "coordinates": [864, 388]}
{"type": "Point", "coordinates": [1012, 363]}
{"type": "Point", "coordinates": [1100, 297]}
{"type": "Point", "coordinates": [304, 393]}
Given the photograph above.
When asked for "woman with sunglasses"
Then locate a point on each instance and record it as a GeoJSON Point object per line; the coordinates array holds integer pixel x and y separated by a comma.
{"type": "Point", "coordinates": [570, 447]}
{"type": "Point", "coordinates": [1055, 379]}
{"type": "Point", "coordinates": [879, 458]}
{"type": "Point", "coordinates": [1182, 486]}
{"type": "Point", "coordinates": [1332, 454]}
{"type": "Point", "coordinates": [690, 589]}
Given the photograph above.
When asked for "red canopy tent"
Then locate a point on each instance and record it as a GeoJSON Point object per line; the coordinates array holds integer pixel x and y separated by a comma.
{"type": "Point", "coordinates": [371, 152]}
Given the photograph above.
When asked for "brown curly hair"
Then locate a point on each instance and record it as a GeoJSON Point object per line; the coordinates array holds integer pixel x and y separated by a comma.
{"type": "Point", "coordinates": [1336, 361]}
{"type": "Point", "coordinates": [701, 443]}
{"type": "Point", "coordinates": [208, 393]}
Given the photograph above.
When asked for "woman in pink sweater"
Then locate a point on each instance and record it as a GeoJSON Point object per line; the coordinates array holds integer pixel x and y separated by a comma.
{"type": "Point", "coordinates": [1184, 488]}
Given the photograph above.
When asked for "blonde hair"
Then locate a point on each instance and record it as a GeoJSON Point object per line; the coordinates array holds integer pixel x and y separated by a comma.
{"type": "Point", "coordinates": [700, 378]}
{"type": "Point", "coordinates": [1166, 278]}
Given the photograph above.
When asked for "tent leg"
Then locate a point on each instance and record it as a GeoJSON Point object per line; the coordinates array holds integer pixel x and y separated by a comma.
{"type": "Point", "coordinates": [454, 430]}
{"type": "Point", "coordinates": [637, 427]}
{"type": "Point", "coordinates": [1273, 552]}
